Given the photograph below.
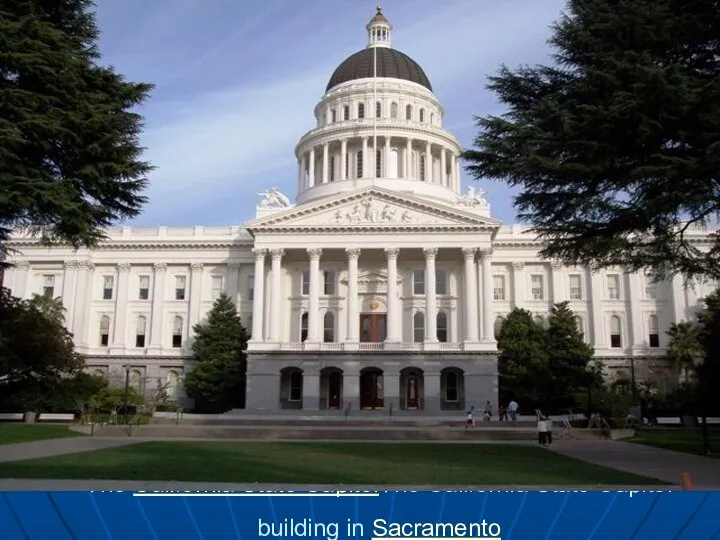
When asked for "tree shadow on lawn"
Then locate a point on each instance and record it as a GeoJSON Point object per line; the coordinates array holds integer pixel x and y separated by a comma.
{"type": "Point", "coordinates": [325, 463]}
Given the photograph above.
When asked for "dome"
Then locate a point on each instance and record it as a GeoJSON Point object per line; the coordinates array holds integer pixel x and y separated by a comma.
{"type": "Point", "coordinates": [391, 64]}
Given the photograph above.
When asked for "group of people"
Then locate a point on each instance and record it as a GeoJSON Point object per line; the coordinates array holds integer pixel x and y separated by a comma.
{"type": "Point", "coordinates": [545, 427]}
{"type": "Point", "coordinates": [503, 412]}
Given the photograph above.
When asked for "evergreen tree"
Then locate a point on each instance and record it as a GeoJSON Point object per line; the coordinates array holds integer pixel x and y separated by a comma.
{"type": "Point", "coordinates": [523, 361]}
{"type": "Point", "coordinates": [614, 146]}
{"type": "Point", "coordinates": [708, 368]}
{"type": "Point", "coordinates": [69, 137]}
{"type": "Point", "coordinates": [217, 381]}
{"type": "Point", "coordinates": [569, 356]}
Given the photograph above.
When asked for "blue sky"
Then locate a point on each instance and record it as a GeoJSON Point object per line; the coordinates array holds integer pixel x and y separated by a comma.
{"type": "Point", "coordinates": [237, 81]}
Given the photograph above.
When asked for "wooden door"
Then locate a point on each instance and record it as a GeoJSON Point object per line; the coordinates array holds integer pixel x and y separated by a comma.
{"type": "Point", "coordinates": [371, 389]}
{"type": "Point", "coordinates": [373, 327]}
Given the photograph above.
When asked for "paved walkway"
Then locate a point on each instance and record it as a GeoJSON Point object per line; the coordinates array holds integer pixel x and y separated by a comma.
{"type": "Point", "coordinates": [58, 447]}
{"type": "Point", "coordinates": [646, 461]}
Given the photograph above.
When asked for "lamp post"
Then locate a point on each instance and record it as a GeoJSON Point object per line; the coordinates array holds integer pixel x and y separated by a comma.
{"type": "Point", "coordinates": [127, 390]}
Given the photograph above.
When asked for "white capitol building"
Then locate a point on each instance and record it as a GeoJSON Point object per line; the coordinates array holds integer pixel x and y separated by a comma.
{"type": "Point", "coordinates": [383, 285]}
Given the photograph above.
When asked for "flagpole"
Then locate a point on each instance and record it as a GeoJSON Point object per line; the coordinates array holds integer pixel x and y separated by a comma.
{"type": "Point", "coordinates": [373, 110]}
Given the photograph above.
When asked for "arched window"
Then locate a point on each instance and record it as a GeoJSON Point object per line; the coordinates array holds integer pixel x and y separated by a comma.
{"type": "Point", "coordinates": [419, 327]}
{"type": "Point", "coordinates": [432, 118]}
{"type": "Point", "coordinates": [346, 112]}
{"type": "Point", "coordinates": [140, 332]}
{"type": "Point", "coordinates": [99, 373]}
{"type": "Point", "coordinates": [378, 164]}
{"type": "Point", "coordinates": [579, 324]}
{"type": "Point", "coordinates": [104, 331]}
{"type": "Point", "coordinates": [361, 110]}
{"type": "Point", "coordinates": [615, 332]}
{"type": "Point", "coordinates": [333, 115]}
{"type": "Point", "coordinates": [408, 112]}
{"type": "Point", "coordinates": [135, 380]}
{"type": "Point", "coordinates": [451, 386]}
{"type": "Point", "coordinates": [422, 167]}
{"type": "Point", "coordinates": [177, 332]}
{"type": "Point", "coordinates": [329, 327]}
{"type": "Point", "coordinates": [422, 115]}
{"type": "Point", "coordinates": [295, 390]}
{"type": "Point", "coordinates": [324, 119]}
{"type": "Point", "coordinates": [359, 168]}
{"type": "Point", "coordinates": [393, 110]}
{"type": "Point", "coordinates": [378, 110]}
{"type": "Point", "coordinates": [172, 381]}
{"type": "Point", "coordinates": [303, 327]}
{"type": "Point", "coordinates": [442, 327]}
{"type": "Point", "coordinates": [653, 331]}
{"type": "Point", "coordinates": [332, 168]}
{"type": "Point", "coordinates": [498, 326]}
{"type": "Point", "coordinates": [539, 320]}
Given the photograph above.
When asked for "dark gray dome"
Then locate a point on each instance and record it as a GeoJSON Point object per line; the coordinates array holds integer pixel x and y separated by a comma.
{"type": "Point", "coordinates": [391, 63]}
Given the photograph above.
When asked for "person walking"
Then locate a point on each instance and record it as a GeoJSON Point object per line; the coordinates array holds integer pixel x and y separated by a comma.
{"type": "Point", "coordinates": [548, 430]}
{"type": "Point", "coordinates": [542, 430]}
{"type": "Point", "coordinates": [513, 410]}
{"type": "Point", "coordinates": [470, 423]}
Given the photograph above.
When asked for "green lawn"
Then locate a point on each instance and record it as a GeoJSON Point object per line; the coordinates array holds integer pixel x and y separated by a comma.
{"type": "Point", "coordinates": [19, 433]}
{"type": "Point", "coordinates": [687, 440]}
{"type": "Point", "coordinates": [326, 463]}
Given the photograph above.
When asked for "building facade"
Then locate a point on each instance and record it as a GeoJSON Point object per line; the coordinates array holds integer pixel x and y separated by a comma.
{"type": "Point", "coordinates": [382, 286]}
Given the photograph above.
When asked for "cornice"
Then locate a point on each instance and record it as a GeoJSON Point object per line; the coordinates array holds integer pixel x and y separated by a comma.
{"type": "Point", "coordinates": [115, 245]}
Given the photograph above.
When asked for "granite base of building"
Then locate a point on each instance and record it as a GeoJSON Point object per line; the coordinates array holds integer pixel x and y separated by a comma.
{"type": "Point", "coordinates": [430, 383]}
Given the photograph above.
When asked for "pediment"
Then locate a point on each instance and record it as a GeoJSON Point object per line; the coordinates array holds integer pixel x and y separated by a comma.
{"type": "Point", "coordinates": [373, 208]}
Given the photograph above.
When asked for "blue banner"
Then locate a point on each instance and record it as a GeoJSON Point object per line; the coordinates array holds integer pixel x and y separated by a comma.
{"type": "Point", "coordinates": [359, 515]}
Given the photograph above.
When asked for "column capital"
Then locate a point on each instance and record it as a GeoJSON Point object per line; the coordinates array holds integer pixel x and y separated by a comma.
{"type": "Point", "coordinates": [196, 267]}
{"type": "Point", "coordinates": [469, 252]}
{"type": "Point", "coordinates": [314, 253]}
{"type": "Point", "coordinates": [160, 267]}
{"type": "Point", "coordinates": [259, 253]}
{"type": "Point", "coordinates": [326, 145]}
{"type": "Point", "coordinates": [518, 265]}
{"type": "Point", "coordinates": [88, 265]}
{"type": "Point", "coordinates": [556, 265]}
{"type": "Point", "coordinates": [392, 252]}
{"type": "Point", "coordinates": [67, 264]}
{"type": "Point", "coordinates": [233, 265]}
{"type": "Point", "coordinates": [277, 254]}
{"type": "Point", "coordinates": [124, 267]}
{"type": "Point", "coordinates": [23, 265]}
{"type": "Point", "coordinates": [430, 252]}
{"type": "Point", "coordinates": [485, 253]}
{"type": "Point", "coordinates": [353, 253]}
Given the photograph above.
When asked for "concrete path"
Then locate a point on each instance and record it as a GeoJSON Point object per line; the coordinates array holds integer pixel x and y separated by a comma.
{"type": "Point", "coordinates": [10, 484]}
{"type": "Point", "coordinates": [644, 460]}
{"type": "Point", "coordinates": [58, 447]}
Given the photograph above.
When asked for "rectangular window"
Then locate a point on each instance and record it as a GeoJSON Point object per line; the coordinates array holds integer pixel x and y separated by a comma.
{"type": "Point", "coordinates": [332, 168]}
{"type": "Point", "coordinates": [615, 341]}
{"type": "Point", "coordinates": [333, 115]}
{"type": "Point", "coordinates": [216, 287]}
{"type": "Point", "coordinates": [575, 287]}
{"type": "Point", "coordinates": [329, 283]}
{"type": "Point", "coordinates": [498, 287]}
{"type": "Point", "coordinates": [180, 284]}
{"type": "Point", "coordinates": [144, 287]}
{"type": "Point", "coordinates": [538, 289]}
{"type": "Point", "coordinates": [108, 286]}
{"type": "Point", "coordinates": [654, 340]}
{"type": "Point", "coordinates": [305, 283]}
{"type": "Point", "coordinates": [613, 282]}
{"type": "Point", "coordinates": [49, 285]}
{"type": "Point", "coordinates": [419, 282]}
{"type": "Point", "coordinates": [440, 281]}
{"type": "Point", "coordinates": [251, 287]}
{"type": "Point", "coordinates": [177, 333]}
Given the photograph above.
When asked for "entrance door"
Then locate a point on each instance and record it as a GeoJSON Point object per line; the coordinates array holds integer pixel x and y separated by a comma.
{"type": "Point", "coordinates": [333, 390]}
{"type": "Point", "coordinates": [373, 327]}
{"type": "Point", "coordinates": [411, 399]}
{"type": "Point", "coordinates": [371, 389]}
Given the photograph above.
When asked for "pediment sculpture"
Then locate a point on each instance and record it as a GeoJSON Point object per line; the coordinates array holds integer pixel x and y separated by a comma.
{"type": "Point", "coordinates": [474, 198]}
{"type": "Point", "coordinates": [273, 198]}
{"type": "Point", "coordinates": [370, 210]}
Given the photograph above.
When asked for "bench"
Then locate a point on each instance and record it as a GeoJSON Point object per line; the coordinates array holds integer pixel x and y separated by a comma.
{"type": "Point", "coordinates": [56, 417]}
{"type": "Point", "coordinates": [710, 421]}
{"type": "Point", "coordinates": [671, 421]}
{"type": "Point", "coordinates": [16, 417]}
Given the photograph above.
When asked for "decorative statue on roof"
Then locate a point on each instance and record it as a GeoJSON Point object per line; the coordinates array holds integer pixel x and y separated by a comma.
{"type": "Point", "coordinates": [274, 198]}
{"type": "Point", "coordinates": [474, 198]}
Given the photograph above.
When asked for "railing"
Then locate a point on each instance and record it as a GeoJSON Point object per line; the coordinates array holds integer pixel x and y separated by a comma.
{"type": "Point", "coordinates": [362, 346]}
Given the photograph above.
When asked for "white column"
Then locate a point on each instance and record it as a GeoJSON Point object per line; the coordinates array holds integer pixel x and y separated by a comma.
{"type": "Point", "coordinates": [300, 175]}
{"type": "Point", "coordinates": [430, 299]}
{"type": "Point", "coordinates": [305, 177]}
{"type": "Point", "coordinates": [311, 170]}
{"type": "Point", "coordinates": [596, 294]}
{"type": "Point", "coordinates": [20, 279]}
{"type": "Point", "coordinates": [276, 256]}
{"type": "Point", "coordinates": [233, 282]}
{"type": "Point", "coordinates": [471, 318]}
{"type": "Point", "coordinates": [69, 288]}
{"type": "Point", "coordinates": [353, 317]}
{"type": "Point", "coordinates": [558, 284]}
{"type": "Point", "coordinates": [480, 297]}
{"type": "Point", "coordinates": [121, 304]}
{"type": "Point", "coordinates": [386, 158]}
{"type": "Point", "coordinates": [365, 160]}
{"type": "Point", "coordinates": [443, 168]}
{"type": "Point", "coordinates": [408, 160]}
{"type": "Point", "coordinates": [487, 288]}
{"type": "Point", "coordinates": [196, 275]}
{"type": "Point", "coordinates": [314, 296]}
{"type": "Point", "coordinates": [326, 161]}
{"type": "Point", "coordinates": [343, 159]}
{"type": "Point", "coordinates": [457, 171]}
{"type": "Point", "coordinates": [158, 300]}
{"type": "Point", "coordinates": [677, 296]}
{"type": "Point", "coordinates": [393, 301]}
{"type": "Point", "coordinates": [428, 163]}
{"type": "Point", "coordinates": [258, 296]}
{"type": "Point", "coordinates": [634, 294]}
{"type": "Point", "coordinates": [82, 303]}
{"type": "Point", "coordinates": [518, 279]}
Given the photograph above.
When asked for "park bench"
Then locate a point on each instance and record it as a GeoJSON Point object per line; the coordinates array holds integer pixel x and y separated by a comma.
{"type": "Point", "coordinates": [56, 417]}
{"type": "Point", "coordinates": [668, 421]}
{"type": "Point", "coordinates": [11, 417]}
{"type": "Point", "coordinates": [713, 421]}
